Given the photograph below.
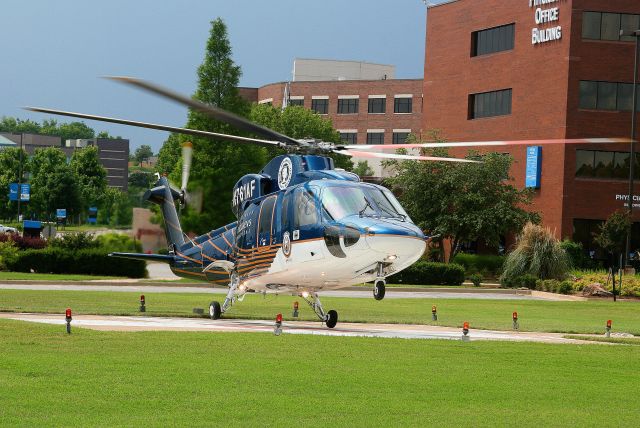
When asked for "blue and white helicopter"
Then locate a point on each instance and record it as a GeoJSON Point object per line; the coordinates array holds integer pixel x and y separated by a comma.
{"type": "Point", "coordinates": [302, 225]}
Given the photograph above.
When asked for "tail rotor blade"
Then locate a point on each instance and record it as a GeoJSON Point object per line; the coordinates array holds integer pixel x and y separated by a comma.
{"type": "Point", "coordinates": [187, 156]}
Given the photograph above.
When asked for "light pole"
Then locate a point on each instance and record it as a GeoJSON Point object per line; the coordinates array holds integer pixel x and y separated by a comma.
{"type": "Point", "coordinates": [20, 177]}
{"type": "Point", "coordinates": [632, 159]}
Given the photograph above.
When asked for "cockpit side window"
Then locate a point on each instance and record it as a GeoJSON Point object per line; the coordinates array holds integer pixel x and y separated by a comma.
{"type": "Point", "coordinates": [305, 209]}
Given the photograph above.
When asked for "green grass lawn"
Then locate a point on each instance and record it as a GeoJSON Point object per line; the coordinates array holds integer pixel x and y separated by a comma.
{"type": "Point", "coordinates": [567, 317]}
{"type": "Point", "coordinates": [50, 277]}
{"type": "Point", "coordinates": [95, 378]}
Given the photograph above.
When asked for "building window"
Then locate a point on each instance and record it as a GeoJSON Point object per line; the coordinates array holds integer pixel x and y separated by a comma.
{"type": "Point", "coordinates": [377, 105]}
{"type": "Point", "coordinates": [375, 137]}
{"type": "Point", "coordinates": [615, 96]}
{"type": "Point", "coordinates": [349, 137]}
{"type": "Point", "coordinates": [492, 40]}
{"type": "Point", "coordinates": [348, 105]}
{"type": "Point", "coordinates": [489, 104]}
{"type": "Point", "coordinates": [403, 105]}
{"type": "Point", "coordinates": [320, 106]}
{"type": "Point", "coordinates": [400, 137]}
{"type": "Point", "coordinates": [607, 26]}
{"type": "Point", "coordinates": [296, 102]}
{"type": "Point", "coordinates": [603, 164]}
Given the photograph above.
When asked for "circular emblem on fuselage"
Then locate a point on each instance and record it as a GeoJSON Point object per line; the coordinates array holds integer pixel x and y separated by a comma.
{"type": "Point", "coordinates": [284, 173]}
{"type": "Point", "coordinates": [286, 244]}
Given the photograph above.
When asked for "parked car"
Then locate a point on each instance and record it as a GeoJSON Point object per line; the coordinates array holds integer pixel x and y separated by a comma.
{"type": "Point", "coordinates": [7, 229]}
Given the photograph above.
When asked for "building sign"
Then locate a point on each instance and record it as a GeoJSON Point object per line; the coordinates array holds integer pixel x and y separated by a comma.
{"type": "Point", "coordinates": [545, 13]}
{"type": "Point", "coordinates": [25, 192]}
{"type": "Point", "coordinates": [625, 199]}
{"type": "Point", "coordinates": [534, 167]}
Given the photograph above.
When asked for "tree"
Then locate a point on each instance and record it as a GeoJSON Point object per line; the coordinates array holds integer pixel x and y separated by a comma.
{"type": "Point", "coordinates": [612, 236]}
{"type": "Point", "coordinates": [106, 135]}
{"type": "Point", "coordinates": [91, 175]}
{"type": "Point", "coordinates": [217, 165]}
{"type": "Point", "coordinates": [363, 169]}
{"type": "Point", "coordinates": [9, 170]}
{"type": "Point", "coordinates": [54, 183]}
{"type": "Point", "coordinates": [67, 131]}
{"type": "Point", "coordinates": [115, 208]}
{"type": "Point", "coordinates": [462, 201]}
{"type": "Point", "coordinates": [169, 154]}
{"type": "Point", "coordinates": [142, 153]}
{"type": "Point", "coordinates": [10, 124]}
{"type": "Point", "coordinates": [301, 123]}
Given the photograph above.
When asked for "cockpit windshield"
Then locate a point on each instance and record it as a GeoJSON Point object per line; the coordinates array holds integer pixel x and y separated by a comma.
{"type": "Point", "coordinates": [370, 201]}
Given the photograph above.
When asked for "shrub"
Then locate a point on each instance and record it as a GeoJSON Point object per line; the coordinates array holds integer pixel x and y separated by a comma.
{"type": "Point", "coordinates": [23, 242]}
{"type": "Point", "coordinates": [526, 281]}
{"type": "Point", "coordinates": [74, 241]}
{"type": "Point", "coordinates": [538, 253]}
{"type": "Point", "coordinates": [88, 262]}
{"type": "Point", "coordinates": [430, 273]}
{"type": "Point", "coordinates": [476, 279]}
{"type": "Point", "coordinates": [565, 287]}
{"type": "Point", "coordinates": [577, 256]}
{"type": "Point", "coordinates": [118, 242]}
{"type": "Point", "coordinates": [474, 263]}
{"type": "Point", "coordinates": [8, 253]}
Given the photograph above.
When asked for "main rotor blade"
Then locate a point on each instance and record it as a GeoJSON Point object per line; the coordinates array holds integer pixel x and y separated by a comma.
{"type": "Point", "coordinates": [488, 143]}
{"type": "Point", "coordinates": [209, 110]}
{"type": "Point", "coordinates": [186, 131]}
{"type": "Point", "coordinates": [403, 157]}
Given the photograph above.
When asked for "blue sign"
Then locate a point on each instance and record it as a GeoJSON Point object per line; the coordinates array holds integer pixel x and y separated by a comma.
{"type": "Point", "coordinates": [25, 192]}
{"type": "Point", "coordinates": [93, 213]}
{"type": "Point", "coordinates": [13, 191]}
{"type": "Point", "coordinates": [534, 167]}
{"type": "Point", "coordinates": [61, 213]}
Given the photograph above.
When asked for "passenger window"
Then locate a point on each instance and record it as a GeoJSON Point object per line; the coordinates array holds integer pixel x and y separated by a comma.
{"type": "Point", "coordinates": [305, 209]}
{"type": "Point", "coordinates": [285, 211]}
{"type": "Point", "coordinates": [266, 215]}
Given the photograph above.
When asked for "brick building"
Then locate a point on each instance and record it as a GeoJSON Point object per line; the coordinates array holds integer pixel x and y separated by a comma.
{"type": "Point", "coordinates": [362, 110]}
{"type": "Point", "coordinates": [523, 70]}
{"type": "Point", "coordinates": [113, 153]}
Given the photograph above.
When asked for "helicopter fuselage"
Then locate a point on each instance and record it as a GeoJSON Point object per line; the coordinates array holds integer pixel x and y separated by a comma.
{"type": "Point", "coordinates": [329, 232]}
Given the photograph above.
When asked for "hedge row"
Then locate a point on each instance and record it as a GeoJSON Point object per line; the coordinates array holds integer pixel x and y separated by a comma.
{"type": "Point", "coordinates": [430, 273]}
{"type": "Point", "coordinates": [86, 262]}
{"type": "Point", "coordinates": [484, 264]}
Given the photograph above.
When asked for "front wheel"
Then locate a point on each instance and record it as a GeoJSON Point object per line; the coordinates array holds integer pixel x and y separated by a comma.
{"type": "Point", "coordinates": [378, 290]}
{"type": "Point", "coordinates": [332, 319]}
{"type": "Point", "coordinates": [214, 310]}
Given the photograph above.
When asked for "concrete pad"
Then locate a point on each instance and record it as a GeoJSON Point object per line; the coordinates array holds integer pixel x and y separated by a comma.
{"type": "Point", "coordinates": [402, 331]}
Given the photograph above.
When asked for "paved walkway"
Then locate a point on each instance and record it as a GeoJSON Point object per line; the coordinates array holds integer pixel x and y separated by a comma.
{"type": "Point", "coordinates": [403, 331]}
{"type": "Point", "coordinates": [364, 293]}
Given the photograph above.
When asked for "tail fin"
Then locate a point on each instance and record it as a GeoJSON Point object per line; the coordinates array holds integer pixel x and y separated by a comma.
{"type": "Point", "coordinates": [165, 196]}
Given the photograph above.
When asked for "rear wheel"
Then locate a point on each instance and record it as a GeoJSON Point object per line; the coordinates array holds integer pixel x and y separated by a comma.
{"type": "Point", "coordinates": [214, 310]}
{"type": "Point", "coordinates": [332, 319]}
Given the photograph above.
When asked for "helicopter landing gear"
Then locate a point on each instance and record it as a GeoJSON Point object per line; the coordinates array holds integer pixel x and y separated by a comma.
{"type": "Point", "coordinates": [379, 289]}
{"type": "Point", "coordinates": [330, 319]}
{"type": "Point", "coordinates": [379, 284]}
{"type": "Point", "coordinates": [214, 310]}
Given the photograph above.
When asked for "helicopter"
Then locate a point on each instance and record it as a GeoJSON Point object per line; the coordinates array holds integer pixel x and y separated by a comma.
{"type": "Point", "coordinates": [302, 226]}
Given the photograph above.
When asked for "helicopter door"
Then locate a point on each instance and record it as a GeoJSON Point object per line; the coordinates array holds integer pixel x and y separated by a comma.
{"type": "Point", "coordinates": [265, 221]}
{"type": "Point", "coordinates": [306, 228]}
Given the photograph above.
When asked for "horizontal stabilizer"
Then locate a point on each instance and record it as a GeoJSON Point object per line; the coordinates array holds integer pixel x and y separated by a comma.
{"type": "Point", "coordinates": [149, 257]}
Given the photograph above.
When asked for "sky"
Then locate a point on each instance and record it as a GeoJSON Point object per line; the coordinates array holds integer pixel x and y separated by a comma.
{"type": "Point", "coordinates": [52, 53]}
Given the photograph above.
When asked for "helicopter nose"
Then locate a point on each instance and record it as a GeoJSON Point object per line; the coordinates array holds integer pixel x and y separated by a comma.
{"type": "Point", "coordinates": [398, 242]}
